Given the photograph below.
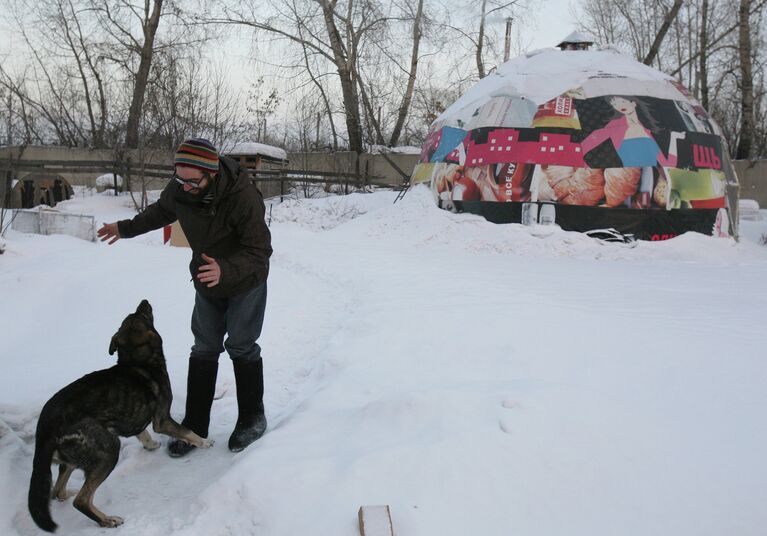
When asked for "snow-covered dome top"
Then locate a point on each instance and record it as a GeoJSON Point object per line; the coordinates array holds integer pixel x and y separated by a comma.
{"type": "Point", "coordinates": [535, 78]}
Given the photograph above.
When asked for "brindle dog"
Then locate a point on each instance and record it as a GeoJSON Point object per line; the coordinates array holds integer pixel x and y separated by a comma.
{"type": "Point", "coordinates": [79, 427]}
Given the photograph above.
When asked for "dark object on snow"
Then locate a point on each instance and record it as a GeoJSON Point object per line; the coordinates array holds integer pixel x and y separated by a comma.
{"type": "Point", "coordinates": [611, 235]}
{"type": "Point", "coordinates": [79, 427]}
{"type": "Point", "coordinates": [39, 189]}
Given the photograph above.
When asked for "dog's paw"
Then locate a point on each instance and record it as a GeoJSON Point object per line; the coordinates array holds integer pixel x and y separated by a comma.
{"type": "Point", "coordinates": [152, 445]}
{"type": "Point", "coordinates": [147, 442]}
{"type": "Point", "coordinates": [61, 497]}
{"type": "Point", "coordinates": [111, 521]}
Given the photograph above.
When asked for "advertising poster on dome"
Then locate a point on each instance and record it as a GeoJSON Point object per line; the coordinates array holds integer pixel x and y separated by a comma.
{"type": "Point", "coordinates": [619, 145]}
{"type": "Point", "coordinates": [608, 152]}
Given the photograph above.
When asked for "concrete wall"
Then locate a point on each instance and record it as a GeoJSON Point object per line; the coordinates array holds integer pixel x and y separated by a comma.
{"type": "Point", "coordinates": [752, 176]}
{"type": "Point", "coordinates": [46, 152]}
{"type": "Point", "coordinates": [373, 165]}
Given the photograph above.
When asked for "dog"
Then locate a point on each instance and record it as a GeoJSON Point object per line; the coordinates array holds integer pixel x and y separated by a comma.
{"type": "Point", "coordinates": [79, 427]}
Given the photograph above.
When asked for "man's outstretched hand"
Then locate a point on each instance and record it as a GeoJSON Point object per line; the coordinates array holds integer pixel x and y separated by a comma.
{"type": "Point", "coordinates": [109, 231]}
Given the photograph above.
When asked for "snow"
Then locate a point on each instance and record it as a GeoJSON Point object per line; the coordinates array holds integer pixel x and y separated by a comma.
{"type": "Point", "coordinates": [401, 149]}
{"type": "Point", "coordinates": [253, 148]}
{"type": "Point", "coordinates": [108, 181]}
{"type": "Point", "coordinates": [477, 378]}
{"type": "Point", "coordinates": [748, 209]}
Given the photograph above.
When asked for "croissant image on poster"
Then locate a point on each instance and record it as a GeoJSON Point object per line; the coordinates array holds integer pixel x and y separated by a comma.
{"type": "Point", "coordinates": [611, 187]}
{"type": "Point", "coordinates": [630, 130]}
{"type": "Point", "coordinates": [569, 185]}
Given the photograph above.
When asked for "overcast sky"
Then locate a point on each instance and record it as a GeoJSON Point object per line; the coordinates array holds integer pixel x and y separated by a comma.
{"type": "Point", "coordinates": [554, 21]}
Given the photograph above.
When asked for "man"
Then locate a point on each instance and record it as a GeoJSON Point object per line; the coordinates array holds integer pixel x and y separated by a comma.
{"type": "Point", "coordinates": [222, 216]}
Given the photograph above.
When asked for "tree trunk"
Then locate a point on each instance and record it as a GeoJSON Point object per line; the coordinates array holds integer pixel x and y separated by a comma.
{"type": "Point", "coordinates": [81, 71]}
{"type": "Point", "coordinates": [704, 54]}
{"type": "Point", "coordinates": [745, 142]}
{"type": "Point", "coordinates": [142, 76]}
{"type": "Point", "coordinates": [9, 140]}
{"type": "Point", "coordinates": [348, 85]}
{"type": "Point", "coordinates": [408, 96]}
{"type": "Point", "coordinates": [655, 47]}
{"type": "Point", "coordinates": [481, 42]}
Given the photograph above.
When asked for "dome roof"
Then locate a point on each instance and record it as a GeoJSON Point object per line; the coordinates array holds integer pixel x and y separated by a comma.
{"type": "Point", "coordinates": [595, 130]}
{"type": "Point", "coordinates": [541, 75]}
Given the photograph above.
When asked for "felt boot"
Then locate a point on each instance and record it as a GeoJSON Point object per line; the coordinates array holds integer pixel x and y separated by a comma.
{"type": "Point", "coordinates": [200, 388]}
{"type": "Point", "coordinates": [251, 421]}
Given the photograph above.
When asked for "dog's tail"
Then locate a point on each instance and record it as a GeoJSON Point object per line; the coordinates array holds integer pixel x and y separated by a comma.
{"type": "Point", "coordinates": [40, 484]}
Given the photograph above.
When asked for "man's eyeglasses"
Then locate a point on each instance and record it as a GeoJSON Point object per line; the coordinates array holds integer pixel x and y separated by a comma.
{"type": "Point", "coordinates": [194, 183]}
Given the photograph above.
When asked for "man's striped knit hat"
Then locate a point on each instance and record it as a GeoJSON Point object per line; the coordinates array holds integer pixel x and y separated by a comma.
{"type": "Point", "coordinates": [197, 153]}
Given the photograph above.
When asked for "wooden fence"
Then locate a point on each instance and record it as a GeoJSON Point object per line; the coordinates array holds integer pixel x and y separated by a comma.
{"type": "Point", "coordinates": [284, 177]}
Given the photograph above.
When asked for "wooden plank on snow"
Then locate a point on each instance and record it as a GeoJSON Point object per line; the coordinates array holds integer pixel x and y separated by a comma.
{"type": "Point", "coordinates": [375, 521]}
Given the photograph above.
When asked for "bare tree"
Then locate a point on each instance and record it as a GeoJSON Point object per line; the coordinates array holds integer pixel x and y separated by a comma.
{"type": "Point", "coordinates": [709, 46]}
{"type": "Point", "coordinates": [151, 21]}
{"type": "Point", "coordinates": [474, 30]}
{"type": "Point", "coordinates": [667, 20]}
{"type": "Point", "coordinates": [117, 17]}
{"type": "Point", "coordinates": [359, 41]}
{"type": "Point", "coordinates": [407, 96]}
{"type": "Point", "coordinates": [745, 142]}
{"type": "Point", "coordinates": [702, 62]}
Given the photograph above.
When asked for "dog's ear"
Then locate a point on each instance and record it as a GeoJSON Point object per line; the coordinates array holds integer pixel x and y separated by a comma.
{"type": "Point", "coordinates": [155, 341]}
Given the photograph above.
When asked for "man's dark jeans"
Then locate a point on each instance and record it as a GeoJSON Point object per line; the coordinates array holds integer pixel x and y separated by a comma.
{"type": "Point", "coordinates": [240, 317]}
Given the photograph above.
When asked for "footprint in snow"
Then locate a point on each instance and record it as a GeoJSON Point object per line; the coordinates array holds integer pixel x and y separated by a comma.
{"type": "Point", "coordinates": [505, 423]}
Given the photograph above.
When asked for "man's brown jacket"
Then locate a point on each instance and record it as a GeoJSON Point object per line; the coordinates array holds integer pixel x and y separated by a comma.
{"type": "Point", "coordinates": [230, 229]}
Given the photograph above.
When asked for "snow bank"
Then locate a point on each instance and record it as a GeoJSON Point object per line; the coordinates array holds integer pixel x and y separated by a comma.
{"type": "Point", "coordinates": [108, 181]}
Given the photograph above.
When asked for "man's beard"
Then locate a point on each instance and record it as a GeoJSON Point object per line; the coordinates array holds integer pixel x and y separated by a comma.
{"type": "Point", "coordinates": [189, 198]}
